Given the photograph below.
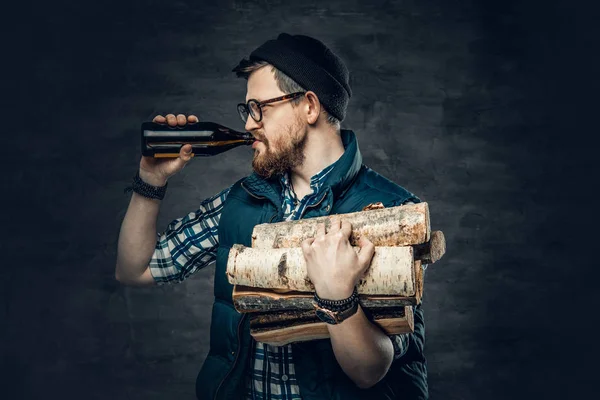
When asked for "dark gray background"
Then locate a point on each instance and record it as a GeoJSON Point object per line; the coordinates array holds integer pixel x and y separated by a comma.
{"type": "Point", "coordinates": [470, 105]}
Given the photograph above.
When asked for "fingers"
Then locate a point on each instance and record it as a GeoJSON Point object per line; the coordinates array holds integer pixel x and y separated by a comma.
{"type": "Point", "coordinates": [306, 244]}
{"type": "Point", "coordinates": [346, 229]}
{"type": "Point", "coordinates": [181, 120]}
{"type": "Point", "coordinates": [306, 247]}
{"type": "Point", "coordinates": [320, 229]}
{"type": "Point", "coordinates": [335, 225]}
{"type": "Point", "coordinates": [367, 250]}
{"type": "Point", "coordinates": [172, 120]}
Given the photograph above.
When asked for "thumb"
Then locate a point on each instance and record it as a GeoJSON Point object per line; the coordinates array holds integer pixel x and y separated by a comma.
{"type": "Point", "coordinates": [306, 249]}
{"type": "Point", "coordinates": [366, 252]}
{"type": "Point", "coordinates": [185, 153]}
{"type": "Point", "coordinates": [174, 165]}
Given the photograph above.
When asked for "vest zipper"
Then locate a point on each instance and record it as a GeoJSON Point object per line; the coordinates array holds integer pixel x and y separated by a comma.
{"type": "Point", "coordinates": [237, 355]}
{"type": "Point", "coordinates": [274, 215]}
{"type": "Point", "coordinates": [319, 202]}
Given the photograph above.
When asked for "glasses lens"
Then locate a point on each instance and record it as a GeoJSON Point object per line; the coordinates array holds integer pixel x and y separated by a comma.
{"type": "Point", "coordinates": [255, 111]}
{"type": "Point", "coordinates": [243, 112]}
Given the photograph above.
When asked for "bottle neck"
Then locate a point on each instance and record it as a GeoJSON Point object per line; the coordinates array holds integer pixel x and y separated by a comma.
{"type": "Point", "coordinates": [242, 135]}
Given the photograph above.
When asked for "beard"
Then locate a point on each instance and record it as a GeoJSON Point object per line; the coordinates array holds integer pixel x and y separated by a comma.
{"type": "Point", "coordinates": [290, 144]}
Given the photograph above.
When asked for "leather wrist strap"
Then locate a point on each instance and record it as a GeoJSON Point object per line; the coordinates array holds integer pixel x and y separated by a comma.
{"type": "Point", "coordinates": [347, 313]}
{"type": "Point", "coordinates": [333, 317]}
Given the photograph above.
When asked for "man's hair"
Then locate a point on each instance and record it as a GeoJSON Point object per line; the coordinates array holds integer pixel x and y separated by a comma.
{"type": "Point", "coordinates": [286, 84]}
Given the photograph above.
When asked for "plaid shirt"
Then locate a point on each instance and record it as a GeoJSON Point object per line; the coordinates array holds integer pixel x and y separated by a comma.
{"type": "Point", "coordinates": [190, 243]}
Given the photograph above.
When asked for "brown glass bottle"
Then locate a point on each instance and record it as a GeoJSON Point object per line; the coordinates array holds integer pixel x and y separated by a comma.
{"type": "Point", "coordinates": [206, 138]}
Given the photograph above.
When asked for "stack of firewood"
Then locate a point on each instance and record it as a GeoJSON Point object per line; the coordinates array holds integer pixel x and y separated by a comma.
{"type": "Point", "coordinates": [271, 282]}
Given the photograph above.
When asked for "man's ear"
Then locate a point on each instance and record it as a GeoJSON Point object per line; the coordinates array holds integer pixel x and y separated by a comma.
{"type": "Point", "coordinates": [314, 107]}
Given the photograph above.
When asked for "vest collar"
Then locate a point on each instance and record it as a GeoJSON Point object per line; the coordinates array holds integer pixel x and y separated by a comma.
{"type": "Point", "coordinates": [338, 180]}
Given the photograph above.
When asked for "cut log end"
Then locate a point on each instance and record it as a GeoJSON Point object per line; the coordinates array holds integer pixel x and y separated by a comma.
{"type": "Point", "coordinates": [433, 250]}
{"type": "Point", "coordinates": [437, 247]}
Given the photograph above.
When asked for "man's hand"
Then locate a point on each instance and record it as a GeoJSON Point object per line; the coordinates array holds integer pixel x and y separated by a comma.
{"type": "Point", "coordinates": [333, 265]}
{"type": "Point", "coordinates": [156, 171]}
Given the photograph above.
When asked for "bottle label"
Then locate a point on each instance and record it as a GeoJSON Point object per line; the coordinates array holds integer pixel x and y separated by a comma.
{"type": "Point", "coordinates": [167, 145]}
{"type": "Point", "coordinates": [149, 133]}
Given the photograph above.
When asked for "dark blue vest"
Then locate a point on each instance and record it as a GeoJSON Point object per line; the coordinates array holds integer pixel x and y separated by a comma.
{"type": "Point", "coordinates": [349, 187]}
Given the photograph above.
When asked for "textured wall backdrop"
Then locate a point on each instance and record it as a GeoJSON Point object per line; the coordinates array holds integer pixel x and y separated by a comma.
{"type": "Point", "coordinates": [461, 102]}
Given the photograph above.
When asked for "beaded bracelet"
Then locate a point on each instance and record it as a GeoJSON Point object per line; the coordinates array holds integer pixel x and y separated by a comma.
{"type": "Point", "coordinates": [145, 189]}
{"type": "Point", "coordinates": [339, 308]}
{"type": "Point", "coordinates": [337, 303]}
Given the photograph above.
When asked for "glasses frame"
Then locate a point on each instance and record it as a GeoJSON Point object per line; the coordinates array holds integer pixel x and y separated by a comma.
{"type": "Point", "coordinates": [246, 106]}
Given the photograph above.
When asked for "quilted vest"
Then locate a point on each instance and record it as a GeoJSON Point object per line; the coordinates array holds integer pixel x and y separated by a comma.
{"type": "Point", "coordinates": [349, 187]}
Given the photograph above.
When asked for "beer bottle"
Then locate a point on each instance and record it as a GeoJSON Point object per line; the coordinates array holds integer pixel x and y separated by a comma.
{"type": "Point", "coordinates": [206, 138]}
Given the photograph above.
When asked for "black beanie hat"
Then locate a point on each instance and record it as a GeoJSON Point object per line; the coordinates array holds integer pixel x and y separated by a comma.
{"type": "Point", "coordinates": [312, 65]}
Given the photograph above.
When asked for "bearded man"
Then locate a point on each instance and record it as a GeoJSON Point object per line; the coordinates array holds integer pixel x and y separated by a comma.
{"type": "Point", "coordinates": [304, 166]}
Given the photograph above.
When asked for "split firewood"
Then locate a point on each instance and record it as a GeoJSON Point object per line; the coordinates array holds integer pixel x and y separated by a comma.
{"type": "Point", "coordinates": [252, 299]}
{"type": "Point", "coordinates": [279, 329]}
{"type": "Point", "coordinates": [391, 272]}
{"type": "Point", "coordinates": [404, 225]}
{"type": "Point", "coordinates": [271, 282]}
{"type": "Point", "coordinates": [249, 300]}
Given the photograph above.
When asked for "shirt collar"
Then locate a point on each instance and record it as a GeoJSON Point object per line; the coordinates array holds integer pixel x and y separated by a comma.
{"type": "Point", "coordinates": [316, 181]}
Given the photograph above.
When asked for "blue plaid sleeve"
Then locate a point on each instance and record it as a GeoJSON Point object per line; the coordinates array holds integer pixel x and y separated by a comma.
{"type": "Point", "coordinates": [400, 343]}
{"type": "Point", "coordinates": [189, 243]}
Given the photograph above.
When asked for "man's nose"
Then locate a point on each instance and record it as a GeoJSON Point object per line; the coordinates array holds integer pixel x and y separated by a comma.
{"type": "Point", "coordinates": [251, 124]}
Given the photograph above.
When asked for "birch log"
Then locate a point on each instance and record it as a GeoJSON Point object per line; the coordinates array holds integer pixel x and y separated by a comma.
{"type": "Point", "coordinates": [391, 272]}
{"type": "Point", "coordinates": [250, 300]}
{"type": "Point", "coordinates": [287, 327]}
{"type": "Point", "coordinates": [394, 226]}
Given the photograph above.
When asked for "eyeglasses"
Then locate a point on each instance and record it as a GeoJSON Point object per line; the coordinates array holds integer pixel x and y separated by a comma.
{"type": "Point", "coordinates": [254, 107]}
